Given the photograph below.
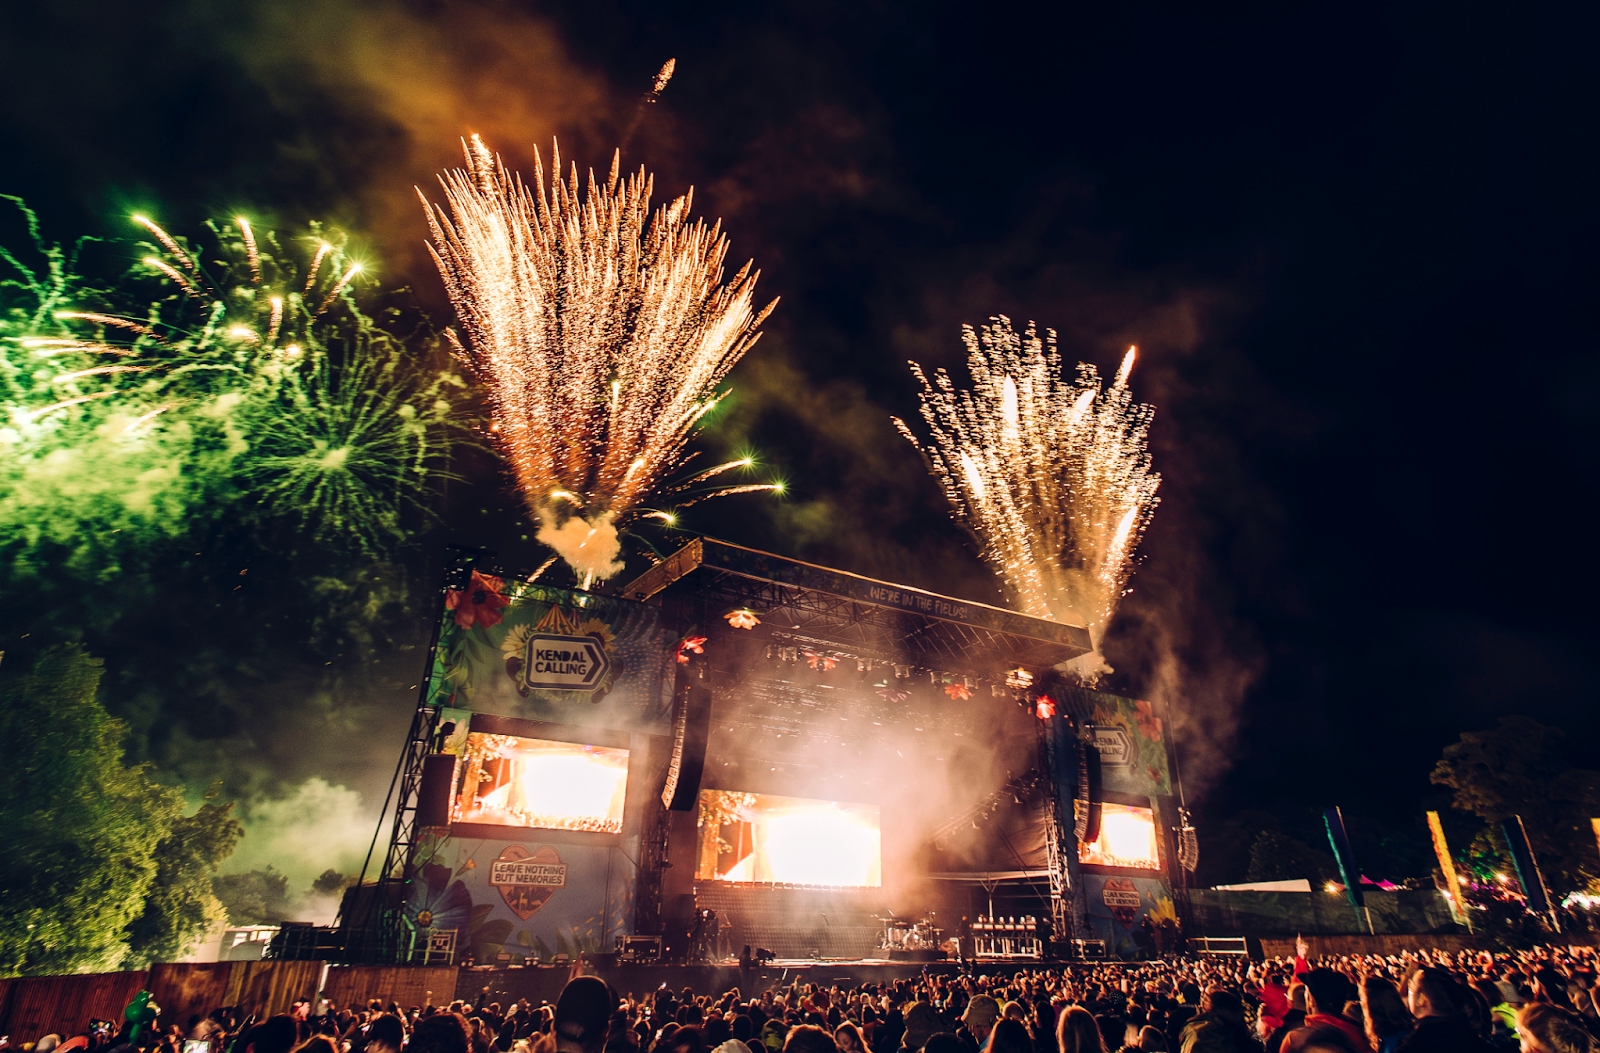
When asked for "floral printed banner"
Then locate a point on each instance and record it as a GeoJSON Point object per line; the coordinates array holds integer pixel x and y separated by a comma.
{"type": "Point", "coordinates": [1130, 735]}
{"type": "Point", "coordinates": [521, 898]}
{"type": "Point", "coordinates": [515, 649]}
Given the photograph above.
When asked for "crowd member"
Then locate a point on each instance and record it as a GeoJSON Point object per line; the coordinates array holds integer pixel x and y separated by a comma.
{"type": "Point", "coordinates": [1443, 1007]}
{"type": "Point", "coordinates": [1077, 1032]}
{"type": "Point", "coordinates": [847, 1036]}
{"type": "Point", "coordinates": [1547, 1028]}
{"type": "Point", "coordinates": [1384, 1016]}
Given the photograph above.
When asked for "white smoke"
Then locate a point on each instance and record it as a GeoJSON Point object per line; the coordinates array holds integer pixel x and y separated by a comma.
{"type": "Point", "coordinates": [590, 549]}
{"type": "Point", "coordinates": [316, 827]}
{"type": "Point", "coordinates": [1088, 667]}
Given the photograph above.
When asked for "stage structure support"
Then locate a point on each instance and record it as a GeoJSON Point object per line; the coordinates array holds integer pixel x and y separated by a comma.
{"type": "Point", "coordinates": [1060, 914]}
{"type": "Point", "coordinates": [373, 923]}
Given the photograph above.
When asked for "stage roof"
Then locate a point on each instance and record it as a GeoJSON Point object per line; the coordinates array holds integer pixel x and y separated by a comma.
{"type": "Point", "coordinates": [890, 619]}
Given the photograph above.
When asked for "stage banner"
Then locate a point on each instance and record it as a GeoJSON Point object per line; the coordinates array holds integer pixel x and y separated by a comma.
{"type": "Point", "coordinates": [514, 649]}
{"type": "Point", "coordinates": [1129, 734]}
{"type": "Point", "coordinates": [522, 898]}
{"type": "Point", "coordinates": [1134, 915]}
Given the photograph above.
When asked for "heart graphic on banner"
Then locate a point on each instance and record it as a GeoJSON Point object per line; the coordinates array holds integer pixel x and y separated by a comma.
{"type": "Point", "coordinates": [527, 880]}
{"type": "Point", "coordinates": [1121, 897]}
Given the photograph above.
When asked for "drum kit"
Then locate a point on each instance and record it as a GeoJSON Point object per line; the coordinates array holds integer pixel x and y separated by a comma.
{"type": "Point", "coordinates": [910, 934]}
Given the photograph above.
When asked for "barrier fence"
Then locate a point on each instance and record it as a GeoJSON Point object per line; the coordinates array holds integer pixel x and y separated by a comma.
{"type": "Point", "coordinates": [31, 1007]}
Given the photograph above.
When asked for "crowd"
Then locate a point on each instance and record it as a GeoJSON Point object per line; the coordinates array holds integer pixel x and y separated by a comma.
{"type": "Point", "coordinates": [1542, 1001]}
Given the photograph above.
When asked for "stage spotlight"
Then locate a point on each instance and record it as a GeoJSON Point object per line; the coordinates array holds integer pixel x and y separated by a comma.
{"type": "Point", "coordinates": [771, 652]}
{"type": "Point", "coordinates": [902, 672]}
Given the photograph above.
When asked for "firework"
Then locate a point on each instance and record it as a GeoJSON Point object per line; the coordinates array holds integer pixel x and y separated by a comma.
{"type": "Point", "coordinates": [599, 332]}
{"type": "Point", "coordinates": [246, 383]}
{"type": "Point", "coordinates": [1051, 475]}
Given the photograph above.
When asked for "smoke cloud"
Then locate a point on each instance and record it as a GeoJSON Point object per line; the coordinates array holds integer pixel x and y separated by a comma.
{"type": "Point", "coordinates": [590, 548]}
{"type": "Point", "coordinates": [315, 827]}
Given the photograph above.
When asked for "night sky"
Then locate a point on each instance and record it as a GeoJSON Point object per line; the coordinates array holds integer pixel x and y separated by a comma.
{"type": "Point", "coordinates": [1353, 245]}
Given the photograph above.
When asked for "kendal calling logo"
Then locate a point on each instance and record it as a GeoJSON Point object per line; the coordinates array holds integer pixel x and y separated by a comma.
{"type": "Point", "coordinates": [564, 663]}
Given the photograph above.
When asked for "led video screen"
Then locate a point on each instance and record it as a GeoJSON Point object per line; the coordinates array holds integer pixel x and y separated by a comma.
{"type": "Point", "coordinates": [508, 780]}
{"type": "Point", "coordinates": [765, 838]}
{"type": "Point", "coordinates": [1127, 838]}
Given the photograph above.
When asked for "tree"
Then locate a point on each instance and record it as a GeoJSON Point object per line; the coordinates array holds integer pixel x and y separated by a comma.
{"type": "Point", "coordinates": [1517, 769]}
{"type": "Point", "coordinates": [181, 906]}
{"type": "Point", "coordinates": [1277, 857]}
{"type": "Point", "coordinates": [331, 883]}
{"type": "Point", "coordinates": [80, 830]}
{"type": "Point", "coordinates": [260, 897]}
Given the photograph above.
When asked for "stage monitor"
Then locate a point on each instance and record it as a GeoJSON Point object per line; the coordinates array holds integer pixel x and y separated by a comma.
{"type": "Point", "coordinates": [1127, 838]}
{"type": "Point", "coordinates": [792, 840]}
{"type": "Point", "coordinates": [540, 784]}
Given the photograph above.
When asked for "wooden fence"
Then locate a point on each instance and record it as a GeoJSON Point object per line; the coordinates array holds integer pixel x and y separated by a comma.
{"type": "Point", "coordinates": [348, 985]}
{"type": "Point", "coordinates": [32, 1007]}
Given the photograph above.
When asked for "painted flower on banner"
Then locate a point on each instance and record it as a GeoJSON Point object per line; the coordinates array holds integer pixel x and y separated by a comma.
{"type": "Point", "coordinates": [743, 618]}
{"type": "Point", "coordinates": [433, 901]}
{"type": "Point", "coordinates": [1149, 723]}
{"type": "Point", "coordinates": [479, 603]}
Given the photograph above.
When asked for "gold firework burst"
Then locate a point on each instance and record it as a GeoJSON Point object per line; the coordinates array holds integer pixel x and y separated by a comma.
{"type": "Point", "coordinates": [599, 330]}
{"type": "Point", "coordinates": [1051, 475]}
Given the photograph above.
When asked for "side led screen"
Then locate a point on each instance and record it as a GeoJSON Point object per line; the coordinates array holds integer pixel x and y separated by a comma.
{"type": "Point", "coordinates": [1127, 838]}
{"type": "Point", "coordinates": [761, 837]}
{"type": "Point", "coordinates": [507, 780]}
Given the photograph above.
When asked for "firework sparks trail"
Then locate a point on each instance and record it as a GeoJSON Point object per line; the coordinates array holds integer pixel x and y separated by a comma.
{"type": "Point", "coordinates": [251, 252]}
{"type": "Point", "coordinates": [649, 99]}
{"type": "Point", "coordinates": [599, 330]}
{"type": "Point", "coordinates": [1051, 475]}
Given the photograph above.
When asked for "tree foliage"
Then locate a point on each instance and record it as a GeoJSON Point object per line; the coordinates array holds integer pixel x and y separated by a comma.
{"type": "Point", "coordinates": [81, 831]}
{"type": "Point", "coordinates": [1277, 857]}
{"type": "Point", "coordinates": [180, 905]}
{"type": "Point", "coordinates": [257, 897]}
{"type": "Point", "coordinates": [1518, 769]}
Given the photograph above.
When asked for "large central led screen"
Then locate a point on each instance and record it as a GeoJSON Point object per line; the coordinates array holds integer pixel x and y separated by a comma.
{"type": "Point", "coordinates": [765, 838]}
{"type": "Point", "coordinates": [508, 780]}
{"type": "Point", "coordinates": [1127, 838]}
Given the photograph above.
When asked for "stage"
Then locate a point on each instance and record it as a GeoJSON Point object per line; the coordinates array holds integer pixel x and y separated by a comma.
{"type": "Point", "coordinates": [741, 750]}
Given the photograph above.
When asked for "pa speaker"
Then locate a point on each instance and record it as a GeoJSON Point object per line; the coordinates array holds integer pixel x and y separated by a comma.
{"type": "Point", "coordinates": [1086, 824]}
{"type": "Point", "coordinates": [689, 750]}
{"type": "Point", "coordinates": [433, 795]}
